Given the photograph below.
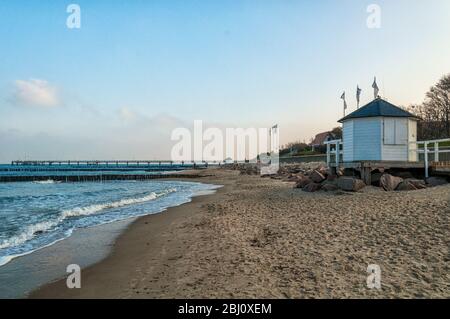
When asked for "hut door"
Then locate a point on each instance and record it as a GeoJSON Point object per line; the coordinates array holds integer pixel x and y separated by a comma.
{"type": "Point", "coordinates": [389, 131]}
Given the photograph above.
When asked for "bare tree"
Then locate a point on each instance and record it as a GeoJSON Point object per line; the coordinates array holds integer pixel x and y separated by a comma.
{"type": "Point", "coordinates": [435, 111]}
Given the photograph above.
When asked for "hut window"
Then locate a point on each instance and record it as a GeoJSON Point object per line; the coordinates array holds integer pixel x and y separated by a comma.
{"type": "Point", "coordinates": [395, 131]}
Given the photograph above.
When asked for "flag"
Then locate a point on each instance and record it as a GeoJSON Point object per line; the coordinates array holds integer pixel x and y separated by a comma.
{"type": "Point", "coordinates": [358, 95]}
{"type": "Point", "coordinates": [345, 103]}
{"type": "Point", "coordinates": [375, 88]}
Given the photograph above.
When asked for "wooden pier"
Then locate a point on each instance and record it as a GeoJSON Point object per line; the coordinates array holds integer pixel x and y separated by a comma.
{"type": "Point", "coordinates": [108, 163]}
{"type": "Point", "coordinates": [93, 170]}
{"type": "Point", "coordinates": [441, 167]}
{"type": "Point", "coordinates": [366, 168]}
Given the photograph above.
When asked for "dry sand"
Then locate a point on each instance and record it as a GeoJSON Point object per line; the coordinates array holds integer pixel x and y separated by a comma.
{"type": "Point", "coordinates": [260, 238]}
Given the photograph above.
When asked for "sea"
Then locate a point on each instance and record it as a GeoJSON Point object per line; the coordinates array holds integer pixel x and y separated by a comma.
{"type": "Point", "coordinates": [36, 215]}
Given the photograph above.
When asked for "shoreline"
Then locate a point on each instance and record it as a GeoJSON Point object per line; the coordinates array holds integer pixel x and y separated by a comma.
{"type": "Point", "coordinates": [260, 238]}
{"type": "Point", "coordinates": [157, 220]}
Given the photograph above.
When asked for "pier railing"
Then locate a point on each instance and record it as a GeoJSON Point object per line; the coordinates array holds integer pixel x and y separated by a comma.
{"type": "Point", "coordinates": [334, 149]}
{"type": "Point", "coordinates": [106, 162]}
{"type": "Point", "coordinates": [437, 150]}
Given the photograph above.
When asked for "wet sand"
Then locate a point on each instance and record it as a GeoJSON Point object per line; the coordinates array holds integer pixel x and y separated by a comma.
{"type": "Point", "coordinates": [260, 238]}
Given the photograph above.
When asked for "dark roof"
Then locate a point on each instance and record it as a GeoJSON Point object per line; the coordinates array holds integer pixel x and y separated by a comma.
{"type": "Point", "coordinates": [378, 107]}
{"type": "Point", "coordinates": [321, 138]}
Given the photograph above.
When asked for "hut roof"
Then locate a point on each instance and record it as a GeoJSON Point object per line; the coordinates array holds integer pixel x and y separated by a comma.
{"type": "Point", "coordinates": [378, 107]}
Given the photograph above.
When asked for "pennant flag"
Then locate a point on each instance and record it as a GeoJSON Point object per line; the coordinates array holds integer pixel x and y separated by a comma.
{"type": "Point", "coordinates": [358, 95]}
{"type": "Point", "coordinates": [375, 88]}
{"type": "Point", "coordinates": [345, 103]}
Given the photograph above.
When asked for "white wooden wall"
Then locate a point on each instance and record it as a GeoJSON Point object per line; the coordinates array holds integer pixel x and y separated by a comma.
{"type": "Point", "coordinates": [347, 133]}
{"type": "Point", "coordinates": [412, 137]}
{"type": "Point", "coordinates": [367, 139]}
{"type": "Point", "coordinates": [397, 134]}
{"type": "Point", "coordinates": [379, 139]}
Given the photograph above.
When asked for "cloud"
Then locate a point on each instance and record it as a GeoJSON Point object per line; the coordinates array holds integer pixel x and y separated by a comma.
{"type": "Point", "coordinates": [127, 115]}
{"type": "Point", "coordinates": [35, 92]}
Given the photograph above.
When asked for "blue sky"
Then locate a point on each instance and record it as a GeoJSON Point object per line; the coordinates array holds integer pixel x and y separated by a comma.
{"type": "Point", "coordinates": [116, 87]}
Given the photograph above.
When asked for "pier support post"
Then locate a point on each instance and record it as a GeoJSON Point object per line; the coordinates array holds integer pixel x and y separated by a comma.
{"type": "Point", "coordinates": [436, 151]}
{"type": "Point", "coordinates": [337, 155]}
{"type": "Point", "coordinates": [328, 155]}
{"type": "Point", "coordinates": [366, 174]}
{"type": "Point", "coordinates": [425, 147]}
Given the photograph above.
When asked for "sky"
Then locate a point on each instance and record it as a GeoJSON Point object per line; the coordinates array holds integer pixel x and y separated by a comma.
{"type": "Point", "coordinates": [116, 87]}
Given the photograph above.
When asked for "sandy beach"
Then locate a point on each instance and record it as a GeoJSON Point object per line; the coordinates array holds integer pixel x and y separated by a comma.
{"type": "Point", "coordinates": [261, 238]}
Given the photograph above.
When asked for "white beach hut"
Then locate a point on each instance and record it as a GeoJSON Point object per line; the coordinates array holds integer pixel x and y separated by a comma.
{"type": "Point", "coordinates": [379, 131]}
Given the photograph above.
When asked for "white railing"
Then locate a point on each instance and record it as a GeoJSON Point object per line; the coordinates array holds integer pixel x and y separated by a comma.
{"type": "Point", "coordinates": [336, 151]}
{"type": "Point", "coordinates": [426, 151]}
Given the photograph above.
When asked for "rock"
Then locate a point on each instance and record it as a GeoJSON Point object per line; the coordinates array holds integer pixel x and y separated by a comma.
{"type": "Point", "coordinates": [302, 182]}
{"type": "Point", "coordinates": [312, 187]}
{"type": "Point", "coordinates": [331, 177]}
{"type": "Point", "coordinates": [389, 182]}
{"type": "Point", "coordinates": [323, 170]}
{"type": "Point", "coordinates": [404, 175]}
{"type": "Point", "coordinates": [292, 178]}
{"type": "Point", "coordinates": [375, 178]}
{"type": "Point", "coordinates": [406, 186]}
{"type": "Point", "coordinates": [316, 176]}
{"type": "Point", "coordinates": [350, 184]}
{"type": "Point", "coordinates": [436, 181]}
{"type": "Point", "coordinates": [418, 183]}
{"type": "Point", "coordinates": [329, 187]}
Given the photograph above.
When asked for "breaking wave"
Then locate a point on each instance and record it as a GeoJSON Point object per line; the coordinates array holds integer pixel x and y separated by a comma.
{"type": "Point", "coordinates": [32, 230]}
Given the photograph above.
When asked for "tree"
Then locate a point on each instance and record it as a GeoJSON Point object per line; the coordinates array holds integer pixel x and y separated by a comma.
{"type": "Point", "coordinates": [337, 132]}
{"type": "Point", "coordinates": [435, 111]}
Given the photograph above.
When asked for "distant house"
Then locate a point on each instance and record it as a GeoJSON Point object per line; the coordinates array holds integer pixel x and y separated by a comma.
{"type": "Point", "coordinates": [379, 131]}
{"type": "Point", "coordinates": [321, 138]}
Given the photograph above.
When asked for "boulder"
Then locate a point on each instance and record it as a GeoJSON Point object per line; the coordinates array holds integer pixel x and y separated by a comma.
{"type": "Point", "coordinates": [323, 170]}
{"type": "Point", "coordinates": [331, 177]}
{"type": "Point", "coordinates": [418, 183]}
{"type": "Point", "coordinates": [312, 187]}
{"type": "Point", "coordinates": [406, 186]}
{"type": "Point", "coordinates": [389, 182]}
{"type": "Point", "coordinates": [316, 176]}
{"type": "Point", "coordinates": [329, 187]}
{"type": "Point", "coordinates": [436, 181]}
{"type": "Point", "coordinates": [375, 178]}
{"type": "Point", "coordinates": [292, 178]}
{"type": "Point", "coordinates": [302, 182]}
{"type": "Point", "coordinates": [350, 184]}
{"type": "Point", "coordinates": [404, 174]}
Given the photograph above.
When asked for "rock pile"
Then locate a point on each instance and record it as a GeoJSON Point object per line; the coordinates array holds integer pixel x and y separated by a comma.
{"type": "Point", "coordinates": [312, 177]}
{"type": "Point", "coordinates": [320, 178]}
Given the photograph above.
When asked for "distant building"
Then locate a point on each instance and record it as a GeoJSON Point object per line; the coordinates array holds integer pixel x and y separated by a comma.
{"type": "Point", "coordinates": [228, 160]}
{"type": "Point", "coordinates": [321, 138]}
{"type": "Point", "coordinates": [379, 131]}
